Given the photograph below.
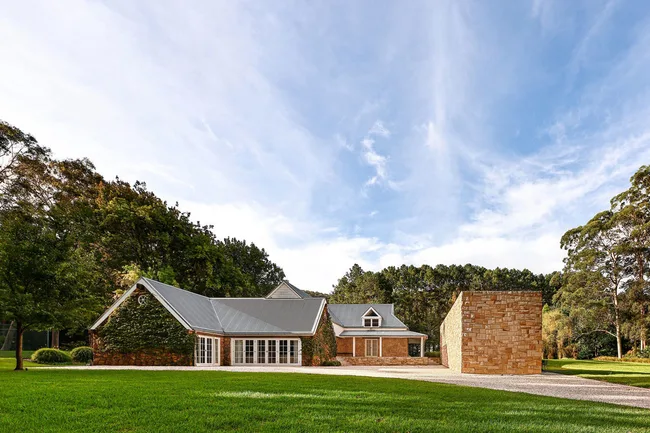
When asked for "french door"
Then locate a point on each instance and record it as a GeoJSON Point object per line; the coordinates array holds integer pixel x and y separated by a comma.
{"type": "Point", "coordinates": [266, 351]}
{"type": "Point", "coordinates": [207, 350]}
{"type": "Point", "coordinates": [372, 347]}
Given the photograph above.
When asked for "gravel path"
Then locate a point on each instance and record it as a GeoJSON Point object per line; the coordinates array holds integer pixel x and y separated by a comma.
{"type": "Point", "coordinates": [548, 384]}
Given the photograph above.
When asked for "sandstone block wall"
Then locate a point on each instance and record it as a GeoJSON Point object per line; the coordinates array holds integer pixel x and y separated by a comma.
{"type": "Point", "coordinates": [501, 333]}
{"type": "Point", "coordinates": [395, 347]}
{"type": "Point", "coordinates": [400, 360]}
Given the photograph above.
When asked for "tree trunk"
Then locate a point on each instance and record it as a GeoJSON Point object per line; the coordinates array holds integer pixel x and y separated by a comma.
{"type": "Point", "coordinates": [619, 346]}
{"type": "Point", "coordinates": [55, 339]}
{"type": "Point", "coordinates": [19, 346]}
{"type": "Point", "coordinates": [7, 343]}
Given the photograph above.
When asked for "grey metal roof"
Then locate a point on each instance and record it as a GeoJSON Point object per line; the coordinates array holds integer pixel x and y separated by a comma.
{"type": "Point", "coordinates": [195, 309]}
{"type": "Point", "coordinates": [381, 333]}
{"type": "Point", "coordinates": [259, 316]}
{"type": "Point", "coordinates": [349, 315]}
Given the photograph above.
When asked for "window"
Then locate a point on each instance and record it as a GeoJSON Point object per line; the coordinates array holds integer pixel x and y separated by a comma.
{"type": "Point", "coordinates": [207, 350]}
{"type": "Point", "coordinates": [239, 351]}
{"type": "Point", "coordinates": [272, 349]}
{"type": "Point", "coordinates": [370, 322]}
{"type": "Point", "coordinates": [372, 347]}
{"type": "Point", "coordinates": [250, 351]}
{"type": "Point", "coordinates": [371, 319]}
{"type": "Point", "coordinates": [293, 351]}
{"type": "Point", "coordinates": [261, 351]}
{"type": "Point", "coordinates": [283, 351]}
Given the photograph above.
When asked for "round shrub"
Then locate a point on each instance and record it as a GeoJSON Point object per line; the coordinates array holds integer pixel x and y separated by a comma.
{"type": "Point", "coordinates": [51, 356]}
{"type": "Point", "coordinates": [432, 354]}
{"type": "Point", "coordinates": [83, 354]}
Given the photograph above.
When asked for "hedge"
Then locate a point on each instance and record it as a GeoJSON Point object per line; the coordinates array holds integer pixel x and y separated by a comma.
{"type": "Point", "coordinates": [83, 354]}
{"type": "Point", "coordinates": [51, 356]}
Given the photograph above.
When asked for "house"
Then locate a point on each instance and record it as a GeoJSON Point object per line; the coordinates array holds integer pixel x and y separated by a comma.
{"type": "Point", "coordinates": [158, 324]}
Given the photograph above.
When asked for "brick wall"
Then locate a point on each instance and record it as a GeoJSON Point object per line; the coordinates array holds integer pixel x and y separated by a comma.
{"type": "Point", "coordinates": [143, 357]}
{"type": "Point", "coordinates": [344, 346]}
{"type": "Point", "coordinates": [501, 333]}
{"type": "Point", "coordinates": [393, 347]}
{"type": "Point", "coordinates": [225, 351]}
{"type": "Point", "coordinates": [320, 340]}
{"type": "Point", "coordinates": [400, 360]}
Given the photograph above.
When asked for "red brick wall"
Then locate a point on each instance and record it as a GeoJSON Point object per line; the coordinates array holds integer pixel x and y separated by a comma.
{"type": "Point", "coordinates": [225, 351]}
{"type": "Point", "coordinates": [395, 347]}
{"type": "Point", "coordinates": [502, 332]}
{"type": "Point", "coordinates": [343, 346]}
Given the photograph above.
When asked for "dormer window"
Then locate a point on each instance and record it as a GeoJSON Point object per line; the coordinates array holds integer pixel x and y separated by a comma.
{"type": "Point", "coordinates": [371, 319]}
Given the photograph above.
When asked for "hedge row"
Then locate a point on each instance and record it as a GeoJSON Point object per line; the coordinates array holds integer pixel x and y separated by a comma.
{"type": "Point", "coordinates": [615, 359]}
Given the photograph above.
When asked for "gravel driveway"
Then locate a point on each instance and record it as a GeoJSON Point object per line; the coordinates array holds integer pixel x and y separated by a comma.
{"type": "Point", "coordinates": [548, 384]}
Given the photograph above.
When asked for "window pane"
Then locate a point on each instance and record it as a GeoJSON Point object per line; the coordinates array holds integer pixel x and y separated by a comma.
{"type": "Point", "coordinates": [261, 352]}
{"type": "Point", "coordinates": [239, 351]}
{"type": "Point", "coordinates": [202, 351]}
{"type": "Point", "coordinates": [283, 351]}
{"type": "Point", "coordinates": [250, 351]}
{"type": "Point", "coordinates": [293, 353]}
{"type": "Point", "coordinates": [375, 322]}
{"type": "Point", "coordinates": [272, 348]}
{"type": "Point", "coordinates": [208, 350]}
{"type": "Point", "coordinates": [367, 322]}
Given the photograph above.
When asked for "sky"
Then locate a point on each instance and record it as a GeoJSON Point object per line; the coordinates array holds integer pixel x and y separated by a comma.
{"type": "Point", "coordinates": [336, 132]}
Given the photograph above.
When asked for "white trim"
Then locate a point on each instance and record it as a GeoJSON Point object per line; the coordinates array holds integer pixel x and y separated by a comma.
{"type": "Point", "coordinates": [144, 283]}
{"type": "Point", "coordinates": [421, 347]}
{"type": "Point", "coordinates": [377, 317]}
{"type": "Point", "coordinates": [216, 350]}
{"type": "Point", "coordinates": [381, 344]}
{"type": "Point", "coordinates": [112, 308]}
{"type": "Point", "coordinates": [278, 287]}
{"type": "Point", "coordinates": [354, 346]}
{"type": "Point", "coordinates": [266, 357]}
{"type": "Point", "coordinates": [370, 308]}
{"type": "Point", "coordinates": [318, 316]}
{"type": "Point", "coordinates": [370, 340]}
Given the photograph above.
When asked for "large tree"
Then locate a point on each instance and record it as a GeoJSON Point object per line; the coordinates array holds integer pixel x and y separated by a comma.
{"type": "Point", "coordinates": [595, 269]}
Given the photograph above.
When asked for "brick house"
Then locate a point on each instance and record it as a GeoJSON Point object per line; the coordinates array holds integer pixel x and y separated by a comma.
{"type": "Point", "coordinates": [287, 327]}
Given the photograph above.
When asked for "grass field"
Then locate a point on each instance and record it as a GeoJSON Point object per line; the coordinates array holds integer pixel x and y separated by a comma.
{"type": "Point", "coordinates": [626, 373]}
{"type": "Point", "coordinates": [169, 401]}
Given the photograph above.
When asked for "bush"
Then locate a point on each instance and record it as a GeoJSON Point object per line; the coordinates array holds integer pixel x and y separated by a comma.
{"type": "Point", "coordinates": [332, 363]}
{"type": "Point", "coordinates": [626, 359]}
{"type": "Point", "coordinates": [433, 354]}
{"type": "Point", "coordinates": [51, 356]}
{"type": "Point", "coordinates": [83, 354]}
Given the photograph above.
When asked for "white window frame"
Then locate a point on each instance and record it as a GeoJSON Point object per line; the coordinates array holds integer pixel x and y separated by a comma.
{"type": "Point", "coordinates": [296, 342]}
{"type": "Point", "coordinates": [375, 341]}
{"type": "Point", "coordinates": [371, 318]}
{"type": "Point", "coordinates": [216, 350]}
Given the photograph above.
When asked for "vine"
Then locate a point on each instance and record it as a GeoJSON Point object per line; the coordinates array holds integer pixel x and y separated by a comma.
{"type": "Point", "coordinates": [142, 323]}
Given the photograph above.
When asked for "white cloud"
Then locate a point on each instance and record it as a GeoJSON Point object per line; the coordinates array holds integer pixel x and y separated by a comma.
{"type": "Point", "coordinates": [379, 129]}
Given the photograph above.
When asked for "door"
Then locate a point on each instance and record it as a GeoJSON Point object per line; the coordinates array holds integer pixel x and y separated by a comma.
{"type": "Point", "coordinates": [207, 351]}
{"type": "Point", "coordinates": [372, 347]}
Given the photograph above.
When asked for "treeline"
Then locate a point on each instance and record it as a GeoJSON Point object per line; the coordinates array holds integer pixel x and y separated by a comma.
{"type": "Point", "coordinates": [602, 307]}
{"type": "Point", "coordinates": [70, 240]}
{"type": "Point", "coordinates": [423, 295]}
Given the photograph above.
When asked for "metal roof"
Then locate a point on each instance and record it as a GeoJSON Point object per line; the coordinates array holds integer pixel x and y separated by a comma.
{"type": "Point", "coordinates": [381, 333]}
{"type": "Point", "coordinates": [195, 309]}
{"type": "Point", "coordinates": [258, 316]}
{"type": "Point", "coordinates": [349, 315]}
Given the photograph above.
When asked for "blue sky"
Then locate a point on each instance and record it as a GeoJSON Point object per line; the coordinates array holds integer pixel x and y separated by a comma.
{"type": "Point", "coordinates": [331, 132]}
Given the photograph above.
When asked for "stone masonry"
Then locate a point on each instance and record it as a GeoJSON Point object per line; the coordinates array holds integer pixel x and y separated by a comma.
{"type": "Point", "coordinates": [494, 333]}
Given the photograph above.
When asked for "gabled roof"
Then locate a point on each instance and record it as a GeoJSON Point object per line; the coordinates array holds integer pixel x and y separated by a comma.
{"type": "Point", "coordinates": [286, 290]}
{"type": "Point", "coordinates": [232, 316]}
{"type": "Point", "coordinates": [350, 315]}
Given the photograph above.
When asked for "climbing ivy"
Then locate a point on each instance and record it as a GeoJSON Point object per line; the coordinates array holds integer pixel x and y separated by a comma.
{"type": "Point", "coordinates": [322, 346]}
{"type": "Point", "coordinates": [137, 326]}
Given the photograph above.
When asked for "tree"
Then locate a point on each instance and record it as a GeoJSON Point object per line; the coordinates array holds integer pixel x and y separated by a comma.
{"type": "Point", "coordinates": [360, 287]}
{"type": "Point", "coordinates": [595, 272]}
{"type": "Point", "coordinates": [45, 282]}
{"type": "Point", "coordinates": [632, 210]}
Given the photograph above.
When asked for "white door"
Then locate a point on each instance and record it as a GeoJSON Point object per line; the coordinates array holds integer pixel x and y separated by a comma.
{"type": "Point", "coordinates": [372, 347]}
{"type": "Point", "coordinates": [207, 350]}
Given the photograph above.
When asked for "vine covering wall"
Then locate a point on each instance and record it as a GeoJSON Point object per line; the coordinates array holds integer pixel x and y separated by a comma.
{"type": "Point", "coordinates": [322, 346]}
{"type": "Point", "coordinates": [142, 323]}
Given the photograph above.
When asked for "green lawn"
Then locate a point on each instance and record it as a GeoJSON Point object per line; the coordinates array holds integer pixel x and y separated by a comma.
{"type": "Point", "coordinates": [626, 373]}
{"type": "Point", "coordinates": [170, 401]}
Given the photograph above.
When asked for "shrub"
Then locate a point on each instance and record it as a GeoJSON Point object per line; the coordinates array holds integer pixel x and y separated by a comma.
{"type": "Point", "coordinates": [83, 354]}
{"type": "Point", "coordinates": [615, 359]}
{"type": "Point", "coordinates": [331, 363]}
{"type": "Point", "coordinates": [51, 356]}
{"type": "Point", "coordinates": [433, 354]}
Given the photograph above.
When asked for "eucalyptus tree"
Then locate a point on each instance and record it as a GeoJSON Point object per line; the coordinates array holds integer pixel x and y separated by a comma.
{"type": "Point", "coordinates": [595, 272]}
